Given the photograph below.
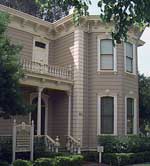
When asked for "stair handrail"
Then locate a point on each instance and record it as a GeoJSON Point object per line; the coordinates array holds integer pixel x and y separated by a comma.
{"type": "Point", "coordinates": [73, 145]}
{"type": "Point", "coordinates": [53, 145]}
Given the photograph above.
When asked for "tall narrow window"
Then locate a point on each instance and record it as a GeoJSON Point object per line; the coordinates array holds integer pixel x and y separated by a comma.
{"type": "Point", "coordinates": [130, 115]}
{"type": "Point", "coordinates": [129, 57]}
{"type": "Point", "coordinates": [107, 115]}
{"type": "Point", "coordinates": [106, 55]}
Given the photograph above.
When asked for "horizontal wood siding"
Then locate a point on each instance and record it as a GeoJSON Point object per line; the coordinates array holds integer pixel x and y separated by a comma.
{"type": "Point", "coordinates": [63, 48]}
{"type": "Point", "coordinates": [24, 39]}
{"type": "Point", "coordinates": [98, 82]}
{"type": "Point", "coordinates": [60, 115]}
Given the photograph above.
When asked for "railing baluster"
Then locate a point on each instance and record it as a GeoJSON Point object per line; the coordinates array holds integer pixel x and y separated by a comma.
{"type": "Point", "coordinates": [55, 71]}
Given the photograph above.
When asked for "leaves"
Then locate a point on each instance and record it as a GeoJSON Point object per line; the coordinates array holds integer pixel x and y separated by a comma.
{"type": "Point", "coordinates": [11, 100]}
{"type": "Point", "coordinates": [144, 95]}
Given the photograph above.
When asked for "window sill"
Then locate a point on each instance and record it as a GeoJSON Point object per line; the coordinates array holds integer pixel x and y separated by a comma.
{"type": "Point", "coordinates": [130, 74]}
{"type": "Point", "coordinates": [107, 135]}
{"type": "Point", "coordinates": [107, 71]}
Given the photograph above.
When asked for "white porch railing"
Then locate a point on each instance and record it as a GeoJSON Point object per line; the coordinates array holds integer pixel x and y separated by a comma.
{"type": "Point", "coordinates": [50, 144]}
{"type": "Point", "coordinates": [53, 145]}
{"type": "Point", "coordinates": [51, 70]}
{"type": "Point", "coordinates": [73, 145]}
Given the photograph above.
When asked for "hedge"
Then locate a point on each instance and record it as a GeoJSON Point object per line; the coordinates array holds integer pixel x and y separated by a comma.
{"type": "Point", "coordinates": [4, 163]}
{"type": "Point", "coordinates": [121, 159]}
{"type": "Point", "coordinates": [72, 160]}
{"type": "Point", "coordinates": [20, 162]}
{"type": "Point", "coordinates": [124, 144]}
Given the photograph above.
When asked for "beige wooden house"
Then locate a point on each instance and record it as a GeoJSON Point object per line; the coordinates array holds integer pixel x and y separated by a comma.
{"type": "Point", "coordinates": [81, 85]}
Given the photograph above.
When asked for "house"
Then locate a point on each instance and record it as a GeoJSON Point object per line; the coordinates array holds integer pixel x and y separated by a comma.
{"type": "Point", "coordinates": [82, 86]}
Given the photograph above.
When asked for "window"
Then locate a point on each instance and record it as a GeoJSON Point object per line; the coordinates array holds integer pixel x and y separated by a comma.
{"type": "Point", "coordinates": [40, 44]}
{"type": "Point", "coordinates": [106, 55]}
{"type": "Point", "coordinates": [130, 57]}
{"type": "Point", "coordinates": [130, 115]}
{"type": "Point", "coordinates": [107, 115]}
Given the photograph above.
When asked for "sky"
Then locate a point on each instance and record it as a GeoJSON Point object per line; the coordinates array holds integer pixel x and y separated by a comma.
{"type": "Point", "coordinates": [143, 51]}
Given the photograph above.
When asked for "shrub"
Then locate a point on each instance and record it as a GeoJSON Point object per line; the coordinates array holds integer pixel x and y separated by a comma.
{"type": "Point", "coordinates": [43, 162]}
{"type": "Point", "coordinates": [124, 144]}
{"type": "Point", "coordinates": [20, 162]}
{"type": "Point", "coordinates": [3, 163]}
{"type": "Point", "coordinates": [121, 159]}
{"type": "Point", "coordinates": [5, 148]}
{"type": "Point", "coordinates": [90, 156]}
{"type": "Point", "coordinates": [74, 160]}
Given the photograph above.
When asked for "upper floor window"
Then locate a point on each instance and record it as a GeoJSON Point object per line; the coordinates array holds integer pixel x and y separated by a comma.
{"type": "Point", "coordinates": [40, 44]}
{"type": "Point", "coordinates": [130, 58]}
{"type": "Point", "coordinates": [130, 115]}
{"type": "Point", "coordinates": [106, 55]}
{"type": "Point", "coordinates": [40, 50]}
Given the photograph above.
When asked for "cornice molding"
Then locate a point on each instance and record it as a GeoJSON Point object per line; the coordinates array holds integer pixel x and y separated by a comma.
{"type": "Point", "coordinates": [62, 27]}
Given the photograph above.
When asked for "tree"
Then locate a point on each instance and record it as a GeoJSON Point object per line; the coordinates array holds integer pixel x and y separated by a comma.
{"type": "Point", "coordinates": [124, 13]}
{"type": "Point", "coordinates": [144, 101]}
{"type": "Point", "coordinates": [11, 100]}
{"type": "Point", "coordinates": [47, 10]}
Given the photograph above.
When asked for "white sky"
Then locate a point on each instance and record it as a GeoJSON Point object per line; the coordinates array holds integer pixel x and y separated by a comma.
{"type": "Point", "coordinates": [143, 52]}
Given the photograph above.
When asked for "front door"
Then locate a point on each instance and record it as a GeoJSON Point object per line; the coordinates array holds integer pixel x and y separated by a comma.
{"type": "Point", "coordinates": [34, 116]}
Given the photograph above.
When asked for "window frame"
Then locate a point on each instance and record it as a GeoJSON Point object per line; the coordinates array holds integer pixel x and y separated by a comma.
{"type": "Point", "coordinates": [134, 115]}
{"type": "Point", "coordinates": [114, 69]}
{"type": "Point", "coordinates": [114, 96]}
{"type": "Point", "coordinates": [133, 59]}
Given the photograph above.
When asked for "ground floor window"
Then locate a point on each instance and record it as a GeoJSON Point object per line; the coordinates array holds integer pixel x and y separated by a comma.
{"type": "Point", "coordinates": [130, 115]}
{"type": "Point", "coordinates": [107, 115]}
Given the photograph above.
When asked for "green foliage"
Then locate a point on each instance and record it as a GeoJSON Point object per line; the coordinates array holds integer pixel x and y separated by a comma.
{"type": "Point", "coordinates": [72, 160]}
{"type": "Point", "coordinates": [144, 95]}
{"type": "Point", "coordinates": [124, 144]}
{"type": "Point", "coordinates": [121, 159]}
{"type": "Point", "coordinates": [27, 6]}
{"type": "Point", "coordinates": [5, 148]}
{"type": "Point", "coordinates": [4, 163]}
{"type": "Point", "coordinates": [43, 162]}
{"type": "Point", "coordinates": [11, 100]}
{"type": "Point", "coordinates": [91, 156]}
{"type": "Point", "coordinates": [20, 162]}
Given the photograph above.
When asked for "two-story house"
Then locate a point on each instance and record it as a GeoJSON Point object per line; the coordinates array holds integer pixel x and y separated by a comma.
{"type": "Point", "coordinates": [82, 86]}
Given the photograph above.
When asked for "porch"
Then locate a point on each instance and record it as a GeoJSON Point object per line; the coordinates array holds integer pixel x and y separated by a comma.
{"type": "Point", "coordinates": [49, 89]}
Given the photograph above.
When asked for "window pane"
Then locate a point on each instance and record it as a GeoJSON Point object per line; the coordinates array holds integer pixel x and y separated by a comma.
{"type": "Point", "coordinates": [107, 115]}
{"type": "Point", "coordinates": [129, 64]}
{"type": "Point", "coordinates": [130, 115]}
{"type": "Point", "coordinates": [107, 62]}
{"type": "Point", "coordinates": [106, 47]}
{"type": "Point", "coordinates": [129, 50]}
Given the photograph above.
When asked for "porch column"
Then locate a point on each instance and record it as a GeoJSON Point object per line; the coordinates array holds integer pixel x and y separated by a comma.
{"type": "Point", "coordinates": [40, 89]}
{"type": "Point", "coordinates": [69, 113]}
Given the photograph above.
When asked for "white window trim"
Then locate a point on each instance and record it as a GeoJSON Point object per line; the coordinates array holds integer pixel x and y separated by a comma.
{"type": "Point", "coordinates": [135, 115]}
{"type": "Point", "coordinates": [99, 114]}
{"type": "Point", "coordinates": [134, 59]}
{"type": "Point", "coordinates": [99, 58]}
{"type": "Point", "coordinates": [43, 40]}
